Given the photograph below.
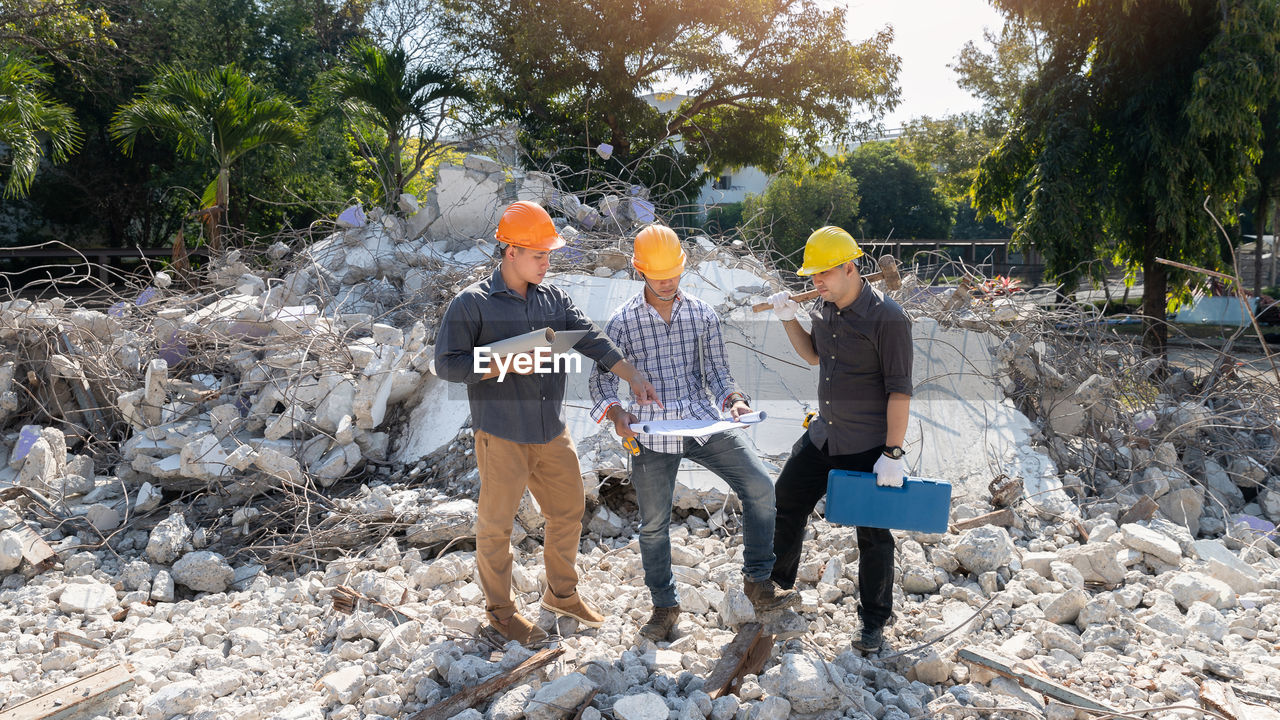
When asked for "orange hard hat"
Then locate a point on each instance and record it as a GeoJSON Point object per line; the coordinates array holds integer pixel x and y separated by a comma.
{"type": "Point", "coordinates": [658, 253]}
{"type": "Point", "coordinates": [525, 224]}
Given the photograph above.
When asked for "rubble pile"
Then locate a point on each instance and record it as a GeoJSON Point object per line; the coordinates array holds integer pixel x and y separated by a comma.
{"type": "Point", "coordinates": [260, 500]}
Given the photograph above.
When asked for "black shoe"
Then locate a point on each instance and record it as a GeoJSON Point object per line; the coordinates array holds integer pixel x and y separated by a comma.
{"type": "Point", "coordinates": [766, 596]}
{"type": "Point", "coordinates": [870, 641]}
{"type": "Point", "coordinates": [661, 623]}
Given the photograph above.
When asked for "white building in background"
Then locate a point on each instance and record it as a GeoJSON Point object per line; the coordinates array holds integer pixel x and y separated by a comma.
{"type": "Point", "coordinates": [733, 185]}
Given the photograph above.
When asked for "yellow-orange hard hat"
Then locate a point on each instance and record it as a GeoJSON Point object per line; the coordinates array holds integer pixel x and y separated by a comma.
{"type": "Point", "coordinates": [658, 253]}
{"type": "Point", "coordinates": [828, 247]}
{"type": "Point", "coordinates": [525, 224]}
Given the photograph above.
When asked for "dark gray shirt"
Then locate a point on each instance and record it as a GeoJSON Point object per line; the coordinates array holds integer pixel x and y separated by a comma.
{"type": "Point", "coordinates": [864, 353]}
{"type": "Point", "coordinates": [521, 408]}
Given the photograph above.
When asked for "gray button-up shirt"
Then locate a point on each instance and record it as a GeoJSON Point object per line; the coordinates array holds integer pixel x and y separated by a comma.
{"type": "Point", "coordinates": [521, 408]}
{"type": "Point", "coordinates": [864, 353]}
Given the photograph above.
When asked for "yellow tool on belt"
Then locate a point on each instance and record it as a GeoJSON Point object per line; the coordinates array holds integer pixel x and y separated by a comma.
{"type": "Point", "coordinates": [631, 445]}
{"type": "Point", "coordinates": [809, 416]}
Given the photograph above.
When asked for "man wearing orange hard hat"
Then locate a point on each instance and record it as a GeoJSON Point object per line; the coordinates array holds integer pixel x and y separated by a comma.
{"type": "Point", "coordinates": [520, 435]}
{"type": "Point", "coordinates": [861, 342]}
{"type": "Point", "coordinates": [676, 339]}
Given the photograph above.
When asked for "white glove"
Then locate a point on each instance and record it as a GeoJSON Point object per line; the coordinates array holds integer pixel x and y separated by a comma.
{"type": "Point", "coordinates": [889, 472]}
{"type": "Point", "coordinates": [783, 306]}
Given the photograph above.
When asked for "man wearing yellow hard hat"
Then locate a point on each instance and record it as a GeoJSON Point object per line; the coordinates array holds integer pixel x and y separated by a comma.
{"type": "Point", "coordinates": [676, 340]}
{"type": "Point", "coordinates": [519, 423]}
{"type": "Point", "coordinates": [861, 342]}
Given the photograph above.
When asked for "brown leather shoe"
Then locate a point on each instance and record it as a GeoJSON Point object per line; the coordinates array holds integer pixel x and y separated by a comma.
{"type": "Point", "coordinates": [661, 623]}
{"type": "Point", "coordinates": [765, 596]}
{"type": "Point", "coordinates": [573, 606]}
{"type": "Point", "coordinates": [518, 628]}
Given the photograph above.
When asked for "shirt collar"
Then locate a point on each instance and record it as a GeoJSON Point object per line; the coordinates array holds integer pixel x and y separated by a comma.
{"type": "Point", "coordinates": [497, 285]}
{"type": "Point", "coordinates": [861, 306]}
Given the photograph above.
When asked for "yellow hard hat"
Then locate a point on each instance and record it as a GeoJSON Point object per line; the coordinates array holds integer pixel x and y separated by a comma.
{"type": "Point", "coordinates": [658, 253]}
{"type": "Point", "coordinates": [828, 247]}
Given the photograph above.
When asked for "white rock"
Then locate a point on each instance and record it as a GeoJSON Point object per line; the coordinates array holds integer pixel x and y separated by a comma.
{"type": "Point", "coordinates": [1096, 562]}
{"type": "Point", "coordinates": [168, 539]}
{"type": "Point", "coordinates": [1225, 565]}
{"type": "Point", "coordinates": [10, 550]}
{"type": "Point", "coordinates": [88, 598]}
{"type": "Point", "coordinates": [1191, 587]}
{"type": "Point", "coordinates": [162, 587]}
{"type": "Point", "coordinates": [804, 681]}
{"type": "Point", "coordinates": [645, 706]}
{"type": "Point", "coordinates": [344, 683]}
{"type": "Point", "coordinates": [251, 641]}
{"type": "Point", "coordinates": [985, 549]}
{"type": "Point", "coordinates": [1065, 608]}
{"type": "Point", "coordinates": [1205, 619]}
{"type": "Point", "coordinates": [1149, 541]}
{"type": "Point", "coordinates": [931, 668]}
{"type": "Point", "coordinates": [148, 498]}
{"type": "Point", "coordinates": [178, 698]}
{"type": "Point", "coordinates": [735, 609]}
{"type": "Point", "coordinates": [102, 517]}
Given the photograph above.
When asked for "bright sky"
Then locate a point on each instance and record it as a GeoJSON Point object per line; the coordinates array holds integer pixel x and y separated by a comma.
{"type": "Point", "coordinates": [928, 34]}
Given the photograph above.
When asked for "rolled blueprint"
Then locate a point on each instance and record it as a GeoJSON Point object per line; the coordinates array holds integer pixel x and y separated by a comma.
{"type": "Point", "coordinates": [523, 343]}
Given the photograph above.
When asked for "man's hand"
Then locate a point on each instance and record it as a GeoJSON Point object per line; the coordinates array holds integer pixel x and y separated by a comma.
{"type": "Point", "coordinates": [783, 306]}
{"type": "Point", "coordinates": [622, 421]}
{"type": "Point", "coordinates": [642, 389]}
{"type": "Point", "coordinates": [739, 409]}
{"type": "Point", "coordinates": [889, 472]}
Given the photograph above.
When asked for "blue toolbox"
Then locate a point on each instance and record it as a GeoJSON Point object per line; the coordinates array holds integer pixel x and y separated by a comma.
{"type": "Point", "coordinates": [922, 505]}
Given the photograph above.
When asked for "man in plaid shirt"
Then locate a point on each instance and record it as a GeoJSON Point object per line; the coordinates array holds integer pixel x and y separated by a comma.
{"type": "Point", "coordinates": [676, 340]}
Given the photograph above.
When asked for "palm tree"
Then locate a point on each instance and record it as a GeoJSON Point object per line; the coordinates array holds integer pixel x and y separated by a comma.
{"type": "Point", "coordinates": [28, 117]}
{"type": "Point", "coordinates": [378, 87]}
{"type": "Point", "coordinates": [218, 116]}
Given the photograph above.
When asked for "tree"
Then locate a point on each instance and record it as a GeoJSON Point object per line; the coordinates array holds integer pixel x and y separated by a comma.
{"type": "Point", "coordinates": [765, 79]}
{"type": "Point", "coordinates": [998, 77]}
{"type": "Point", "coordinates": [66, 31]}
{"type": "Point", "coordinates": [797, 203]}
{"type": "Point", "coordinates": [897, 197]}
{"type": "Point", "coordinates": [29, 118]}
{"type": "Point", "coordinates": [379, 91]}
{"type": "Point", "coordinates": [217, 116]}
{"type": "Point", "coordinates": [1141, 115]}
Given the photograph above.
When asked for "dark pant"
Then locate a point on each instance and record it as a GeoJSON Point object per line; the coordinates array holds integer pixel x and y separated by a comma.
{"type": "Point", "coordinates": [801, 485]}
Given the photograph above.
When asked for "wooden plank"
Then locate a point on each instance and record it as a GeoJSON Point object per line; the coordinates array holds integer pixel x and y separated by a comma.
{"type": "Point", "coordinates": [468, 697]}
{"type": "Point", "coordinates": [999, 518]}
{"type": "Point", "coordinates": [1141, 510]}
{"type": "Point", "coordinates": [34, 549]}
{"type": "Point", "coordinates": [1009, 667]}
{"type": "Point", "coordinates": [1219, 698]}
{"type": "Point", "coordinates": [754, 662]}
{"type": "Point", "coordinates": [61, 637]}
{"type": "Point", "coordinates": [735, 656]}
{"type": "Point", "coordinates": [85, 697]}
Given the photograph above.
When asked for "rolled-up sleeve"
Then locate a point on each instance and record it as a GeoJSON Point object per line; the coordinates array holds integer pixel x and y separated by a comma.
{"type": "Point", "coordinates": [455, 343]}
{"type": "Point", "coordinates": [896, 355]}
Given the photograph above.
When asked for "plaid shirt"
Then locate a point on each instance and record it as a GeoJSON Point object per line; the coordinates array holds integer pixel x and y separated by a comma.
{"type": "Point", "coordinates": [685, 361]}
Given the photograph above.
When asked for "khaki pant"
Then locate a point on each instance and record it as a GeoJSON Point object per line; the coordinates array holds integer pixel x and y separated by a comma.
{"type": "Point", "coordinates": [551, 472]}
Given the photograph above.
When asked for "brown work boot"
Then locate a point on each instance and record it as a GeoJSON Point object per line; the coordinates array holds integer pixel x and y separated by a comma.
{"type": "Point", "coordinates": [573, 606]}
{"type": "Point", "coordinates": [765, 596]}
{"type": "Point", "coordinates": [661, 623]}
{"type": "Point", "coordinates": [518, 628]}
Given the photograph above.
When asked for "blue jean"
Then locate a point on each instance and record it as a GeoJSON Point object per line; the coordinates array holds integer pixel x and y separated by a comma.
{"type": "Point", "coordinates": [729, 455]}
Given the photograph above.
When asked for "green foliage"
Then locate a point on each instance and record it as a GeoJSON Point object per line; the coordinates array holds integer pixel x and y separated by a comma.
{"type": "Point", "coordinates": [215, 117]}
{"type": "Point", "coordinates": [999, 76]}
{"type": "Point", "coordinates": [897, 196]}
{"type": "Point", "coordinates": [1141, 116]}
{"type": "Point", "coordinates": [796, 204]}
{"type": "Point", "coordinates": [949, 148]}
{"type": "Point", "coordinates": [767, 80]}
{"type": "Point", "coordinates": [390, 103]}
{"type": "Point", "coordinates": [722, 219]}
{"type": "Point", "coordinates": [29, 117]}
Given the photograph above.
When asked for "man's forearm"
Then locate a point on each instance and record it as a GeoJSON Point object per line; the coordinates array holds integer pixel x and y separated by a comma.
{"type": "Point", "coordinates": [801, 340]}
{"type": "Point", "coordinates": [897, 413]}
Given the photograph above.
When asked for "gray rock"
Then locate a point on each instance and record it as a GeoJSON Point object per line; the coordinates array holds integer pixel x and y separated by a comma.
{"type": "Point", "coordinates": [510, 705]}
{"type": "Point", "coordinates": [985, 549]}
{"type": "Point", "coordinates": [1222, 487]}
{"type": "Point", "coordinates": [1065, 608]}
{"type": "Point", "coordinates": [162, 587]}
{"type": "Point", "coordinates": [724, 708]}
{"type": "Point", "coordinates": [566, 691]}
{"type": "Point", "coordinates": [1246, 472]}
{"type": "Point", "coordinates": [1269, 500]}
{"type": "Point", "coordinates": [771, 708]}
{"type": "Point", "coordinates": [1184, 507]}
{"type": "Point", "coordinates": [931, 668]}
{"type": "Point", "coordinates": [1097, 562]}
